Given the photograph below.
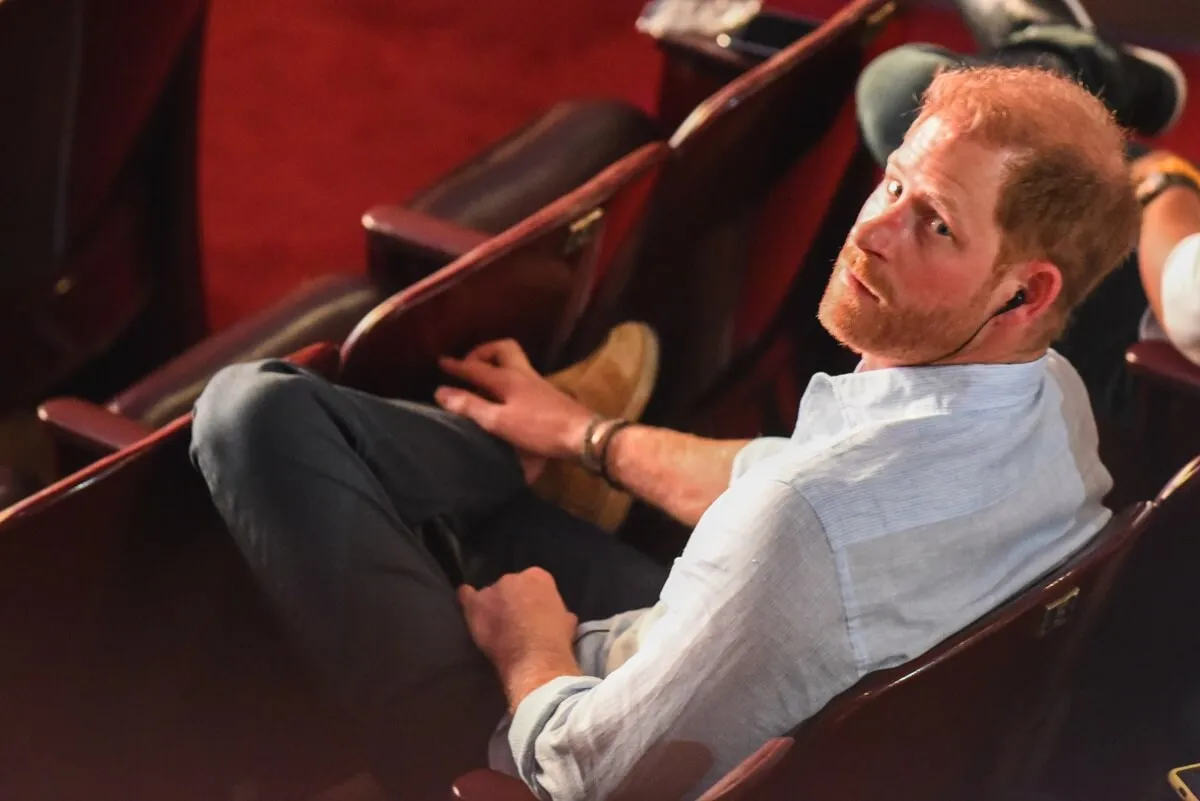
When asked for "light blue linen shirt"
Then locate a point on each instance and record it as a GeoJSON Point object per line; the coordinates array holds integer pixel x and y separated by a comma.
{"type": "Point", "coordinates": [907, 503]}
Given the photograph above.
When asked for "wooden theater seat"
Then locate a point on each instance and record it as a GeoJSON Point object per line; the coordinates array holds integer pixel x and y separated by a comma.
{"type": "Point", "coordinates": [533, 283]}
{"type": "Point", "coordinates": [139, 661]}
{"type": "Point", "coordinates": [1168, 407]}
{"type": "Point", "coordinates": [1135, 709]}
{"type": "Point", "coordinates": [534, 280]}
{"type": "Point", "coordinates": [726, 160]}
{"type": "Point", "coordinates": [702, 260]}
{"type": "Point", "coordinates": [551, 155]}
{"type": "Point", "coordinates": [764, 179]}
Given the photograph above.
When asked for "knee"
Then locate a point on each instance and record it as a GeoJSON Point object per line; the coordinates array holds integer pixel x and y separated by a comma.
{"type": "Point", "coordinates": [889, 91]}
{"type": "Point", "coordinates": [246, 409]}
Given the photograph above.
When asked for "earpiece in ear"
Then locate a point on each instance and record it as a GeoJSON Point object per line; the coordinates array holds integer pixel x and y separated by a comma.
{"type": "Point", "coordinates": [1016, 301]}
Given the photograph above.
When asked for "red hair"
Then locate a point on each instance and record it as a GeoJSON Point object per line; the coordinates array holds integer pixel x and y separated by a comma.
{"type": "Point", "coordinates": [1067, 196]}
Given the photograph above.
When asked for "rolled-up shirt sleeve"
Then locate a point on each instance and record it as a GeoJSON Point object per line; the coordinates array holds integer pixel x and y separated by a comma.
{"type": "Point", "coordinates": [749, 638]}
{"type": "Point", "coordinates": [1181, 297]}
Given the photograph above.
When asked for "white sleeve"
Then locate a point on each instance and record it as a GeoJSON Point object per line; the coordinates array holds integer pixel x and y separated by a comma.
{"type": "Point", "coordinates": [1181, 296]}
{"type": "Point", "coordinates": [752, 639]}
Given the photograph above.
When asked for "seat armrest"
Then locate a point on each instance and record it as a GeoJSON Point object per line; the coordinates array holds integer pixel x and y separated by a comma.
{"type": "Point", "coordinates": [324, 310]}
{"type": "Point", "coordinates": [323, 358]}
{"type": "Point", "coordinates": [1159, 361]}
{"type": "Point", "coordinates": [489, 785]}
{"type": "Point", "coordinates": [751, 772]}
{"type": "Point", "coordinates": [405, 245]}
{"type": "Point", "coordinates": [738, 784]}
{"type": "Point", "coordinates": [91, 428]}
{"type": "Point", "coordinates": [82, 431]}
{"type": "Point", "coordinates": [551, 155]}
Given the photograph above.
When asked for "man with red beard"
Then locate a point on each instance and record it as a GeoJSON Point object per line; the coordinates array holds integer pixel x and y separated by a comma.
{"type": "Point", "coordinates": [954, 467]}
{"type": "Point", "coordinates": [1155, 293]}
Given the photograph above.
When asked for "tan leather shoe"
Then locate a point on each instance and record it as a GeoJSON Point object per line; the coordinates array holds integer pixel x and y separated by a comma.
{"type": "Point", "coordinates": [615, 381]}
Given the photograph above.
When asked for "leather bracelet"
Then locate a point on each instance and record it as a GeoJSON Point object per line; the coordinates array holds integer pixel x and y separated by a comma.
{"type": "Point", "coordinates": [589, 455]}
{"type": "Point", "coordinates": [1160, 182]}
{"type": "Point", "coordinates": [594, 454]}
{"type": "Point", "coordinates": [609, 435]}
{"type": "Point", "coordinates": [1166, 172]}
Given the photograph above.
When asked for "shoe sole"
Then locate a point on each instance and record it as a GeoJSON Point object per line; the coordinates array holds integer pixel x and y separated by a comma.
{"type": "Point", "coordinates": [1168, 65]}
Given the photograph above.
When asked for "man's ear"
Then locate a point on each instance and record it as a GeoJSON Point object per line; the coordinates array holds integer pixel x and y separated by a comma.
{"type": "Point", "coordinates": [1041, 282]}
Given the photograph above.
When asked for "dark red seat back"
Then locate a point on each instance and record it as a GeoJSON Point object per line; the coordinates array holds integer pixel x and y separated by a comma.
{"type": "Point", "coordinates": [139, 659]}
{"type": "Point", "coordinates": [532, 283]}
{"type": "Point", "coordinates": [1136, 709]}
{"type": "Point", "coordinates": [98, 157]}
{"type": "Point", "coordinates": [1167, 404]}
{"type": "Point", "coordinates": [727, 157]}
{"type": "Point", "coordinates": [965, 719]}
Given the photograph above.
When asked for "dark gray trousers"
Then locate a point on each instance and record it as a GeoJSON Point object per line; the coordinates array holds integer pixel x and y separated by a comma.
{"type": "Point", "coordinates": [354, 514]}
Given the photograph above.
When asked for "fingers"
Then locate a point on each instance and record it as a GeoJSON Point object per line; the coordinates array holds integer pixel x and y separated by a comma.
{"type": "Point", "coordinates": [480, 373]}
{"type": "Point", "coordinates": [467, 404]}
{"type": "Point", "coordinates": [468, 601]}
{"type": "Point", "coordinates": [539, 574]}
{"type": "Point", "coordinates": [502, 353]}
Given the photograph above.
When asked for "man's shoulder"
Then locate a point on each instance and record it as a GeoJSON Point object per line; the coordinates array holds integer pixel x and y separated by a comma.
{"type": "Point", "coordinates": [921, 473]}
{"type": "Point", "coordinates": [760, 514]}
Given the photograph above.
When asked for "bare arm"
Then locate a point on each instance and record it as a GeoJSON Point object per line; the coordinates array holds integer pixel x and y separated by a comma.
{"type": "Point", "coordinates": [679, 473]}
{"type": "Point", "coordinates": [1166, 220]}
{"type": "Point", "coordinates": [1169, 218]}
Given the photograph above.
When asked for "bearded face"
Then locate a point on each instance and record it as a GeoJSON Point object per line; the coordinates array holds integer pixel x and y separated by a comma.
{"type": "Point", "coordinates": [918, 276]}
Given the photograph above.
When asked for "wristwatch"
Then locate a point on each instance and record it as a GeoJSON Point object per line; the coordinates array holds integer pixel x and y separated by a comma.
{"type": "Point", "coordinates": [1167, 172]}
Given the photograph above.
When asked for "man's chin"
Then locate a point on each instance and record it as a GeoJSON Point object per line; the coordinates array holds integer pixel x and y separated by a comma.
{"type": "Point", "coordinates": [841, 321]}
{"type": "Point", "coordinates": [866, 334]}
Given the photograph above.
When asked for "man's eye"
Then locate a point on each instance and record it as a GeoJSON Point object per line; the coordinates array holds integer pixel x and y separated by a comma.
{"type": "Point", "coordinates": [939, 227]}
{"type": "Point", "coordinates": [893, 188]}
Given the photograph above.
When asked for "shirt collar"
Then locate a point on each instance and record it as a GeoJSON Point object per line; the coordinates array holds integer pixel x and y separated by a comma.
{"type": "Point", "coordinates": [881, 395]}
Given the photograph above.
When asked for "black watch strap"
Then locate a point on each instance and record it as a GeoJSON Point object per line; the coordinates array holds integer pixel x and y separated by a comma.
{"type": "Point", "coordinates": [1159, 182]}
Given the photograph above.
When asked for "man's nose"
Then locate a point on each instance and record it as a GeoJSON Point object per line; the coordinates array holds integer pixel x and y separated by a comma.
{"type": "Point", "coordinates": [878, 233]}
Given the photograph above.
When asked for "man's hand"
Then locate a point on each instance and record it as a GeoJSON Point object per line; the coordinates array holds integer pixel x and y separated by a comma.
{"type": "Point", "coordinates": [522, 625]}
{"type": "Point", "coordinates": [525, 409]}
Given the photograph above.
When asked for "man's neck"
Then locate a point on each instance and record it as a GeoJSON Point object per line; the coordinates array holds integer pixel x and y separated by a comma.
{"type": "Point", "coordinates": [876, 362]}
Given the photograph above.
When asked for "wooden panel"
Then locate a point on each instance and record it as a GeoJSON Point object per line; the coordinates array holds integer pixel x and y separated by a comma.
{"type": "Point", "coordinates": [137, 659]}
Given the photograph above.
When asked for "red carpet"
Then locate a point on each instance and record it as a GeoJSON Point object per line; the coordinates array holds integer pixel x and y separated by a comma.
{"type": "Point", "coordinates": [316, 109]}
